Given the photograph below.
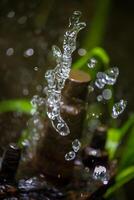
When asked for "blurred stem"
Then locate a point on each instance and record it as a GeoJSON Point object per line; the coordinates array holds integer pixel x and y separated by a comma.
{"type": "Point", "coordinates": [98, 26]}
{"type": "Point", "coordinates": [16, 105]}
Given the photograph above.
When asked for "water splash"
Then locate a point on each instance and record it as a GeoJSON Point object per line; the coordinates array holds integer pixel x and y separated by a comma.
{"type": "Point", "coordinates": [118, 108]}
{"type": "Point", "coordinates": [70, 156]}
{"type": "Point", "coordinates": [35, 126]}
{"type": "Point", "coordinates": [108, 77]}
{"type": "Point", "coordinates": [76, 145]}
{"type": "Point", "coordinates": [100, 173]}
{"type": "Point", "coordinates": [91, 63]}
{"type": "Point", "coordinates": [56, 78]}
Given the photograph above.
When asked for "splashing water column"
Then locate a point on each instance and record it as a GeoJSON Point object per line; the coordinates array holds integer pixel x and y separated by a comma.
{"type": "Point", "coordinates": [52, 147]}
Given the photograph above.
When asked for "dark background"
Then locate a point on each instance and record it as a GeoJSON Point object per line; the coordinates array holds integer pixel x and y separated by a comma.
{"type": "Point", "coordinates": [38, 24]}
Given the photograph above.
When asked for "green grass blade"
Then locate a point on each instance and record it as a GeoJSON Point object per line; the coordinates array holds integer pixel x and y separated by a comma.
{"type": "Point", "coordinates": [16, 105]}
{"type": "Point", "coordinates": [95, 35]}
{"type": "Point", "coordinates": [97, 52]}
{"type": "Point", "coordinates": [122, 178]}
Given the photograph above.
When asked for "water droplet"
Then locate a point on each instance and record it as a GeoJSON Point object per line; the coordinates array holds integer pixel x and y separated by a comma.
{"type": "Point", "coordinates": [70, 156]}
{"type": "Point", "coordinates": [36, 68]}
{"type": "Point", "coordinates": [99, 98]}
{"type": "Point", "coordinates": [90, 89]}
{"type": "Point", "coordinates": [107, 94]}
{"type": "Point", "coordinates": [22, 20]}
{"type": "Point", "coordinates": [59, 124]}
{"type": "Point", "coordinates": [82, 52]}
{"type": "Point", "coordinates": [91, 63]}
{"type": "Point", "coordinates": [25, 91]}
{"type": "Point", "coordinates": [56, 52]}
{"type": "Point", "coordinates": [76, 145]}
{"type": "Point", "coordinates": [10, 52]}
{"type": "Point", "coordinates": [11, 14]}
{"type": "Point", "coordinates": [29, 52]}
{"type": "Point", "coordinates": [118, 108]}
{"type": "Point", "coordinates": [100, 83]}
{"type": "Point", "coordinates": [107, 78]}
{"type": "Point", "coordinates": [111, 75]}
{"type": "Point", "coordinates": [100, 173]}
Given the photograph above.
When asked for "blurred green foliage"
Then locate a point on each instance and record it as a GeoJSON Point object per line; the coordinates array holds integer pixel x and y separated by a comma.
{"type": "Point", "coordinates": [92, 43]}
{"type": "Point", "coordinates": [15, 105]}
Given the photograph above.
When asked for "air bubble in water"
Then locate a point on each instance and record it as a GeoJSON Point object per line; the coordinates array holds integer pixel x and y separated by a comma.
{"type": "Point", "coordinates": [107, 94]}
{"type": "Point", "coordinates": [118, 108]}
{"type": "Point", "coordinates": [70, 156]}
{"type": "Point", "coordinates": [76, 145]}
{"type": "Point", "coordinates": [100, 173]}
{"type": "Point", "coordinates": [91, 63]}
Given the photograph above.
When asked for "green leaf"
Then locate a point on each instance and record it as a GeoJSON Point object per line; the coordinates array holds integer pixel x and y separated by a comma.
{"type": "Point", "coordinates": [127, 157]}
{"type": "Point", "coordinates": [97, 52]}
{"type": "Point", "coordinates": [95, 35]}
{"type": "Point", "coordinates": [122, 178]}
{"type": "Point", "coordinates": [16, 105]}
{"type": "Point", "coordinates": [113, 138]}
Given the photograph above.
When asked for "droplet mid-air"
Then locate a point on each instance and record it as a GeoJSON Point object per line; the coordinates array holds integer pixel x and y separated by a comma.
{"type": "Point", "coordinates": [118, 108]}
{"type": "Point", "coordinates": [70, 156]}
{"type": "Point", "coordinates": [91, 63]}
{"type": "Point", "coordinates": [76, 145]}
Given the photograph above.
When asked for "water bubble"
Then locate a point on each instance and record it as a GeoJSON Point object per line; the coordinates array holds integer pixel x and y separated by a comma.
{"type": "Point", "coordinates": [10, 52]}
{"type": "Point", "coordinates": [118, 108]}
{"type": "Point", "coordinates": [11, 14]}
{"type": "Point", "coordinates": [29, 52]}
{"type": "Point", "coordinates": [100, 173]}
{"type": "Point", "coordinates": [107, 94]}
{"type": "Point", "coordinates": [76, 145]}
{"type": "Point", "coordinates": [70, 156]}
{"type": "Point", "coordinates": [91, 63]}
{"type": "Point", "coordinates": [99, 98]}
